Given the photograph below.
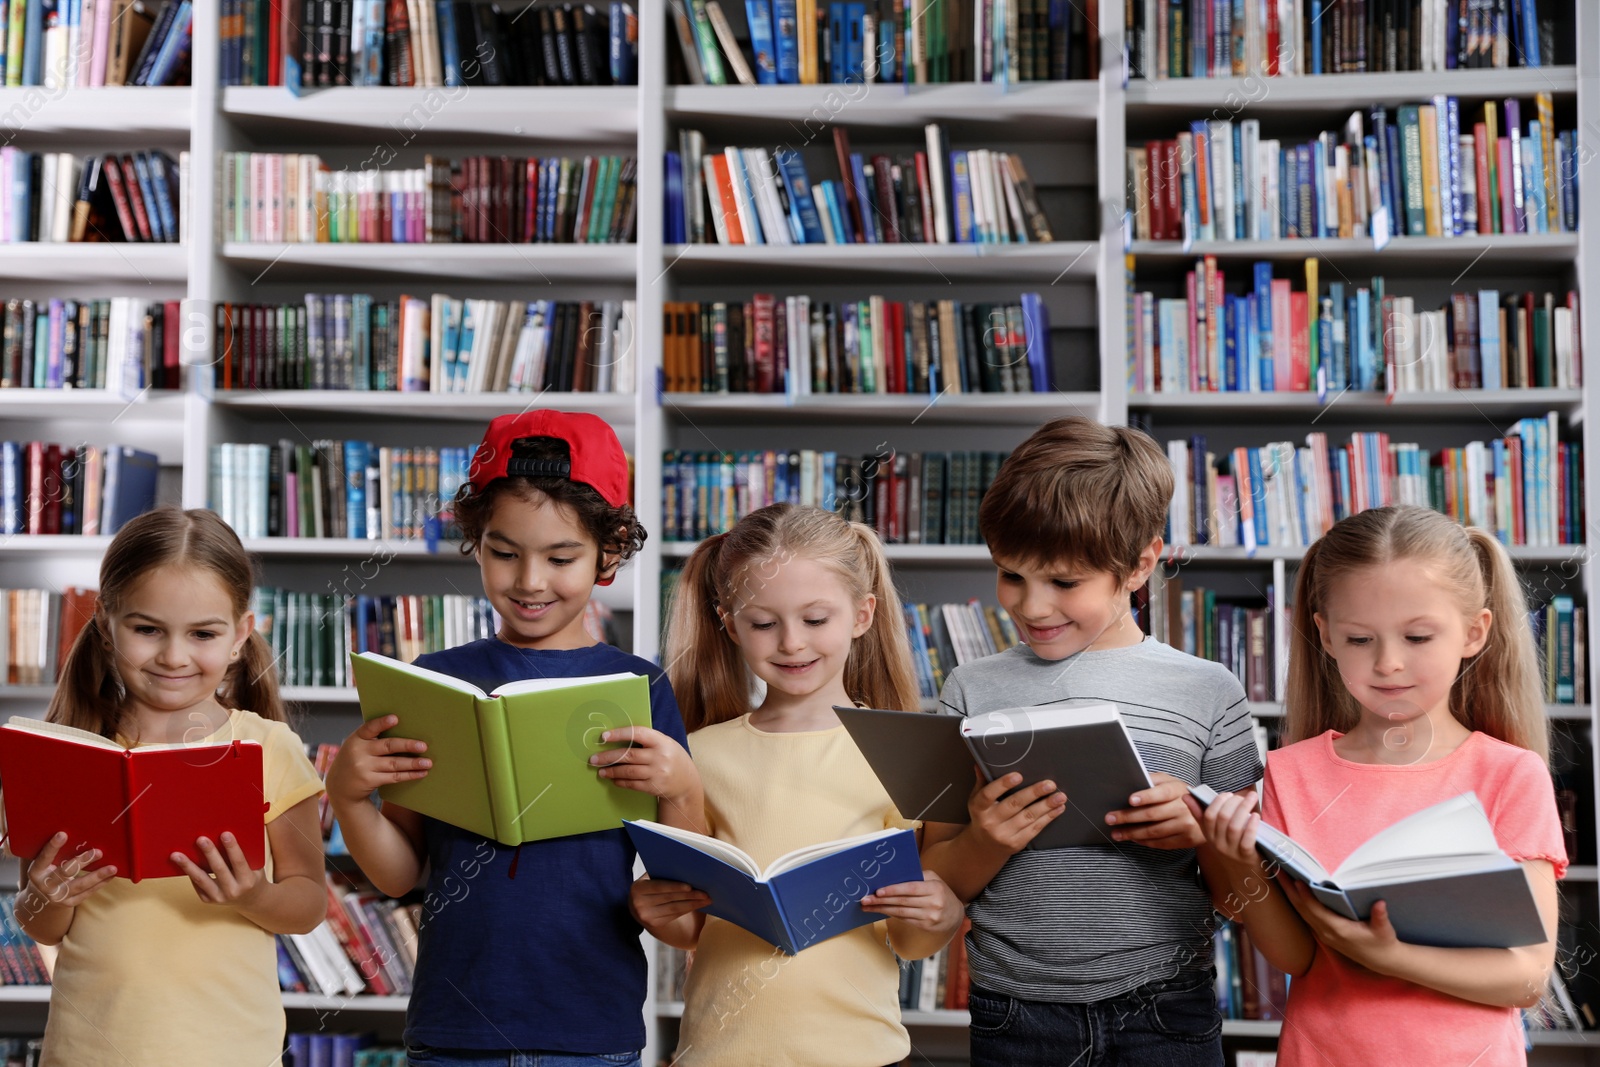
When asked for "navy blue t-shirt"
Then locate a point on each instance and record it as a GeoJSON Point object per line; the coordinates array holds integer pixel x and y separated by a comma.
{"type": "Point", "coordinates": [532, 947]}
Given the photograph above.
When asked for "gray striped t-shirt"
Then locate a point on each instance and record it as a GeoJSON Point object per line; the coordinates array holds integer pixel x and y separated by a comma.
{"type": "Point", "coordinates": [1084, 924]}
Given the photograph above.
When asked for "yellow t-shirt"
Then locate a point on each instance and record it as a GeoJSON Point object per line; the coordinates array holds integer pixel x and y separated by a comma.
{"type": "Point", "coordinates": [148, 976]}
{"type": "Point", "coordinates": [837, 1003]}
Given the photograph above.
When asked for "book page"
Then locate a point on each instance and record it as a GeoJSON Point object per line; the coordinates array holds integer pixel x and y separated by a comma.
{"type": "Point", "coordinates": [1043, 717]}
{"type": "Point", "coordinates": [728, 853]}
{"type": "Point", "coordinates": [422, 672]}
{"type": "Point", "coordinates": [1444, 833]}
{"type": "Point", "coordinates": [801, 856]}
{"type": "Point", "coordinates": [543, 685]}
{"type": "Point", "coordinates": [64, 732]}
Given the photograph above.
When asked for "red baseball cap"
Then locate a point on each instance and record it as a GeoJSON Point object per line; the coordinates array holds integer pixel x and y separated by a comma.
{"type": "Point", "coordinates": [597, 457]}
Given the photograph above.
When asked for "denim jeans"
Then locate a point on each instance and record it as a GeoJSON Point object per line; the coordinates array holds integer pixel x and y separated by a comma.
{"type": "Point", "coordinates": [1166, 1024]}
{"type": "Point", "coordinates": [428, 1056]}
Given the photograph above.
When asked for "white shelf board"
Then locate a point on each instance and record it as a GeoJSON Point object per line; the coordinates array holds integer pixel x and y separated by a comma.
{"type": "Point", "coordinates": [535, 264]}
{"type": "Point", "coordinates": [98, 404]}
{"type": "Point", "coordinates": [24, 994]}
{"type": "Point", "coordinates": [1581, 873]}
{"type": "Point", "coordinates": [52, 545]}
{"type": "Point", "coordinates": [890, 104]}
{"type": "Point", "coordinates": [1273, 709]}
{"type": "Point", "coordinates": [1341, 92]}
{"type": "Point", "coordinates": [969, 409]}
{"type": "Point", "coordinates": [1280, 406]}
{"type": "Point", "coordinates": [1178, 554]}
{"type": "Point", "coordinates": [615, 408]}
{"type": "Point", "coordinates": [102, 262]}
{"type": "Point", "coordinates": [1044, 262]}
{"type": "Point", "coordinates": [318, 1002]}
{"type": "Point", "coordinates": [601, 114]}
{"type": "Point", "coordinates": [352, 548]}
{"type": "Point", "coordinates": [1473, 255]}
{"type": "Point", "coordinates": [967, 556]}
{"type": "Point", "coordinates": [127, 110]}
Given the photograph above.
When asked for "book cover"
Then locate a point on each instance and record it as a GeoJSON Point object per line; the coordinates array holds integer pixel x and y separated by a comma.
{"type": "Point", "coordinates": [799, 899]}
{"type": "Point", "coordinates": [137, 806]}
{"type": "Point", "coordinates": [512, 765]}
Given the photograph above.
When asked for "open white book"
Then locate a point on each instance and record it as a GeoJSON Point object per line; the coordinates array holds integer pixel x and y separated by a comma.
{"type": "Point", "coordinates": [1440, 870]}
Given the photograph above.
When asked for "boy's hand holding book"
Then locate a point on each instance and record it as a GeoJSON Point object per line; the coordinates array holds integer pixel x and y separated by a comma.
{"type": "Point", "coordinates": [1159, 817]}
{"type": "Point", "coordinates": [1010, 823]}
{"type": "Point", "coordinates": [366, 761]}
{"type": "Point", "coordinates": [656, 764]}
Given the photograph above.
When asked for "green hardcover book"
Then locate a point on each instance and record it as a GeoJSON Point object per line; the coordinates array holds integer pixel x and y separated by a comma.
{"type": "Point", "coordinates": [1411, 168]}
{"type": "Point", "coordinates": [1543, 361]}
{"type": "Point", "coordinates": [512, 765]}
{"type": "Point", "coordinates": [933, 466]}
{"type": "Point", "coordinates": [710, 58]}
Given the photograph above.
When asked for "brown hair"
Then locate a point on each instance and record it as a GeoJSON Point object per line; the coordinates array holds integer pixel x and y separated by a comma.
{"type": "Point", "coordinates": [1080, 491]}
{"type": "Point", "coordinates": [90, 696]}
{"type": "Point", "coordinates": [708, 675]}
{"type": "Point", "coordinates": [616, 530]}
{"type": "Point", "coordinates": [1497, 692]}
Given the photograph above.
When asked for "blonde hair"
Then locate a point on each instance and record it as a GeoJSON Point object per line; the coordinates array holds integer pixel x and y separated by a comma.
{"type": "Point", "coordinates": [708, 674]}
{"type": "Point", "coordinates": [90, 696]}
{"type": "Point", "coordinates": [1498, 692]}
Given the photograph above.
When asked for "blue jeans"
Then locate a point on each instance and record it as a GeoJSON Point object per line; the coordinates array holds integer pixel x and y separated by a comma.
{"type": "Point", "coordinates": [428, 1056]}
{"type": "Point", "coordinates": [1165, 1024]}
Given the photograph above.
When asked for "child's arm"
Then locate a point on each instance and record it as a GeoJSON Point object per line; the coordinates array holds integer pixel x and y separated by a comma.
{"type": "Point", "coordinates": [1499, 977]}
{"type": "Point", "coordinates": [923, 916]}
{"type": "Point", "coordinates": [669, 911]}
{"type": "Point", "coordinates": [658, 765]}
{"type": "Point", "coordinates": [968, 857]}
{"type": "Point", "coordinates": [51, 892]}
{"type": "Point", "coordinates": [293, 900]}
{"type": "Point", "coordinates": [1243, 889]}
{"type": "Point", "coordinates": [385, 842]}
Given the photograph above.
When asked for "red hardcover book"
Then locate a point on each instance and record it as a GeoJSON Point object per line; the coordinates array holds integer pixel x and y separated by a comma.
{"type": "Point", "coordinates": [506, 200]}
{"type": "Point", "coordinates": [591, 181]}
{"type": "Point", "coordinates": [725, 202]}
{"type": "Point", "coordinates": [852, 197]}
{"type": "Point", "coordinates": [137, 806]}
{"type": "Point", "coordinates": [1172, 164]}
{"type": "Point", "coordinates": [136, 197]}
{"type": "Point", "coordinates": [766, 355]}
{"type": "Point", "coordinates": [530, 201]}
{"type": "Point", "coordinates": [925, 198]}
{"type": "Point", "coordinates": [889, 216]}
{"type": "Point", "coordinates": [1154, 166]}
{"type": "Point", "coordinates": [226, 340]}
{"type": "Point", "coordinates": [77, 608]}
{"type": "Point", "coordinates": [34, 483]}
{"type": "Point", "coordinates": [1300, 343]}
{"type": "Point", "coordinates": [112, 169]}
{"type": "Point", "coordinates": [171, 313]}
{"type": "Point", "coordinates": [895, 346]}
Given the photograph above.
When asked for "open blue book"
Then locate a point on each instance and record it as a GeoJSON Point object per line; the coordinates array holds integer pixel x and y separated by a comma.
{"type": "Point", "coordinates": [1440, 870]}
{"type": "Point", "coordinates": [803, 897]}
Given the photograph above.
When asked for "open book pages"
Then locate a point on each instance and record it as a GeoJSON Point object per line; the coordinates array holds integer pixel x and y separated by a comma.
{"type": "Point", "coordinates": [734, 856]}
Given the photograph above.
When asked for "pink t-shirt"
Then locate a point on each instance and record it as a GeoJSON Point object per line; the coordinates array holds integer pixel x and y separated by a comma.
{"type": "Point", "coordinates": [1341, 1014]}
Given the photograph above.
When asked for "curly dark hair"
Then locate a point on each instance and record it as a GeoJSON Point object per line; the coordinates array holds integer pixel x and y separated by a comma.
{"type": "Point", "coordinates": [616, 530]}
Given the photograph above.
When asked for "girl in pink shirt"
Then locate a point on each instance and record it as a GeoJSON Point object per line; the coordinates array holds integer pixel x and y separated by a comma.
{"type": "Point", "coordinates": [1412, 679]}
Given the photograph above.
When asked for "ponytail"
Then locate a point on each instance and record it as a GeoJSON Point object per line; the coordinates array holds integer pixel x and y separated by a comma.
{"type": "Point", "coordinates": [1499, 689]}
{"type": "Point", "coordinates": [89, 695]}
{"type": "Point", "coordinates": [878, 670]}
{"type": "Point", "coordinates": [707, 674]}
{"type": "Point", "coordinates": [1317, 698]}
{"type": "Point", "coordinates": [252, 683]}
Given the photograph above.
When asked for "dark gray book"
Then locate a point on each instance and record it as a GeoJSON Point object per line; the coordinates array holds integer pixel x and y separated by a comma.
{"type": "Point", "coordinates": [925, 762]}
{"type": "Point", "coordinates": [1440, 871]}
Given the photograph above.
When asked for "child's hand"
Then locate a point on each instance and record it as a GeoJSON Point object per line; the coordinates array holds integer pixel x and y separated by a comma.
{"type": "Point", "coordinates": [1229, 824]}
{"type": "Point", "coordinates": [70, 883]}
{"type": "Point", "coordinates": [1372, 944]}
{"type": "Point", "coordinates": [367, 761]}
{"type": "Point", "coordinates": [1013, 822]}
{"type": "Point", "coordinates": [654, 764]}
{"type": "Point", "coordinates": [1158, 816]}
{"type": "Point", "coordinates": [928, 905]}
{"type": "Point", "coordinates": [654, 903]}
{"type": "Point", "coordinates": [230, 880]}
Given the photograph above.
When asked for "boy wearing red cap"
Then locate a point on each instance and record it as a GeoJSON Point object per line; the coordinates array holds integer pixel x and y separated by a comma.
{"type": "Point", "coordinates": [527, 954]}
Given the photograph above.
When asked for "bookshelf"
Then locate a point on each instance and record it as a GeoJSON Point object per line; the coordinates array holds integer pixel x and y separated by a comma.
{"type": "Point", "coordinates": [1074, 132]}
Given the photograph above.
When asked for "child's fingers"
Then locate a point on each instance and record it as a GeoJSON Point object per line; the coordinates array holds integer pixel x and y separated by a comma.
{"type": "Point", "coordinates": [370, 729]}
{"type": "Point", "coordinates": [218, 863]}
{"type": "Point", "coordinates": [388, 746]}
{"type": "Point", "coordinates": [401, 764]}
{"type": "Point", "coordinates": [1025, 798]}
{"type": "Point", "coordinates": [238, 865]}
{"type": "Point", "coordinates": [638, 735]}
{"type": "Point", "coordinates": [52, 848]}
{"type": "Point", "coordinates": [204, 886]}
{"type": "Point", "coordinates": [1166, 788]}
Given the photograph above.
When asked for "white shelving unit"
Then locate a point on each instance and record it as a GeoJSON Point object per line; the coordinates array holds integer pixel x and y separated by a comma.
{"type": "Point", "coordinates": [1079, 128]}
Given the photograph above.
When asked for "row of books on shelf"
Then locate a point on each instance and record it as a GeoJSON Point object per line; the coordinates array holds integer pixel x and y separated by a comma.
{"type": "Point", "coordinates": [1190, 618]}
{"type": "Point", "coordinates": [907, 497]}
{"type": "Point", "coordinates": [1526, 487]}
{"type": "Point", "coordinates": [367, 944]}
{"type": "Point", "coordinates": [49, 488]}
{"type": "Point", "coordinates": [1206, 39]}
{"type": "Point", "coordinates": [57, 197]}
{"type": "Point", "coordinates": [297, 198]}
{"type": "Point", "coordinates": [1436, 171]}
{"type": "Point", "coordinates": [93, 43]}
{"type": "Point", "coordinates": [1358, 337]}
{"type": "Point", "coordinates": [437, 344]}
{"type": "Point", "coordinates": [937, 196]}
{"type": "Point", "coordinates": [323, 1049]}
{"type": "Point", "coordinates": [337, 489]}
{"type": "Point", "coordinates": [428, 43]}
{"type": "Point", "coordinates": [915, 42]}
{"type": "Point", "coordinates": [125, 343]}
{"type": "Point", "coordinates": [801, 346]}
{"type": "Point", "coordinates": [945, 636]}
{"type": "Point", "coordinates": [21, 961]}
